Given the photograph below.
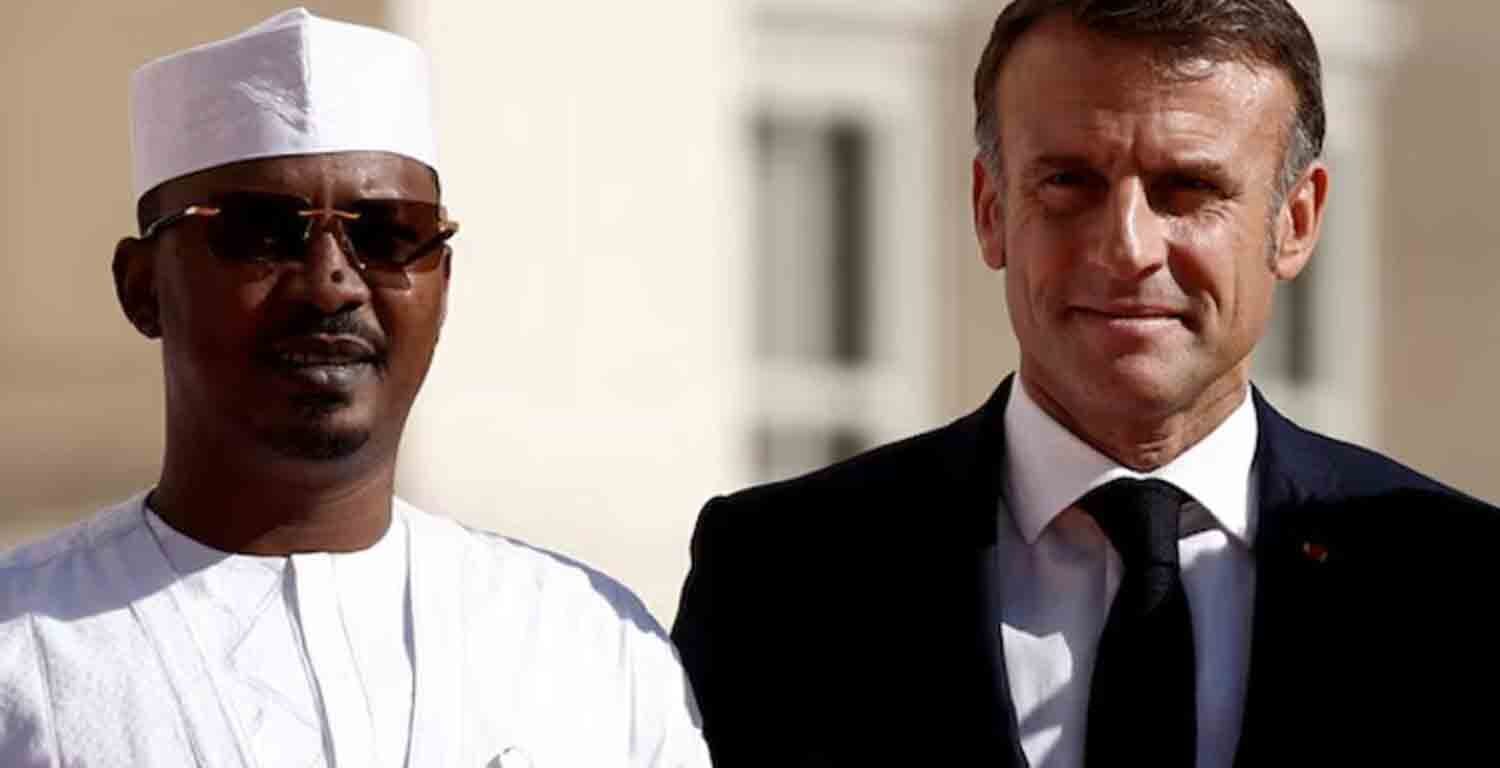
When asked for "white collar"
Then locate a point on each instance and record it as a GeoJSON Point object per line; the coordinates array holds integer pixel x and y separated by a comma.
{"type": "Point", "coordinates": [188, 555]}
{"type": "Point", "coordinates": [1050, 468]}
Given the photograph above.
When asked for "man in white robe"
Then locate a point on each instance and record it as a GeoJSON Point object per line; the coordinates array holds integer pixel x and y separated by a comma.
{"type": "Point", "coordinates": [270, 602]}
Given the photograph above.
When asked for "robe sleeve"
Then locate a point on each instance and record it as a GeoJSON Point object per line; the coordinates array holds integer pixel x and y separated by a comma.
{"type": "Point", "coordinates": [26, 734]}
{"type": "Point", "coordinates": [668, 728]}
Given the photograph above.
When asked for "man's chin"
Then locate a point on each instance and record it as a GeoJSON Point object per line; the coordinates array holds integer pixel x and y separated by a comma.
{"type": "Point", "coordinates": [1144, 384]}
{"type": "Point", "coordinates": [316, 442]}
{"type": "Point", "coordinates": [324, 427]}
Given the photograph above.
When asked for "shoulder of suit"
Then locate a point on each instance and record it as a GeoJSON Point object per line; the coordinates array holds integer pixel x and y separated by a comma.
{"type": "Point", "coordinates": [541, 580]}
{"type": "Point", "coordinates": [1352, 491]}
{"type": "Point", "coordinates": [869, 497]}
{"type": "Point", "coordinates": [912, 462]}
{"type": "Point", "coordinates": [1363, 473]}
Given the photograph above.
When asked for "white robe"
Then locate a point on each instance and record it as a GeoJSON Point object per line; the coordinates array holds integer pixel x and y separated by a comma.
{"type": "Point", "coordinates": [311, 653]}
{"type": "Point", "coordinates": [520, 658]}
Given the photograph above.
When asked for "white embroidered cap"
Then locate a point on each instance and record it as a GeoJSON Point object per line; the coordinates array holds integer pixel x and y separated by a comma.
{"type": "Point", "coordinates": [294, 84]}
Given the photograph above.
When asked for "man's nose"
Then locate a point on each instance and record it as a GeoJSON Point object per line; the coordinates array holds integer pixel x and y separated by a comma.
{"type": "Point", "coordinates": [1131, 243]}
{"type": "Point", "coordinates": [330, 278]}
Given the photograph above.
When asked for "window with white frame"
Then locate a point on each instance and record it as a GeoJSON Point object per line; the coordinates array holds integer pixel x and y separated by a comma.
{"type": "Point", "coordinates": [845, 231]}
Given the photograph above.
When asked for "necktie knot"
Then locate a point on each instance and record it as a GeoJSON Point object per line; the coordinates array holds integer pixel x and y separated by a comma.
{"type": "Point", "coordinates": [1140, 517]}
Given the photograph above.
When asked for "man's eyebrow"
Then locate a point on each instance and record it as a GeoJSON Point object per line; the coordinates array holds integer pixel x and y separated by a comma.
{"type": "Point", "coordinates": [1044, 164]}
{"type": "Point", "coordinates": [1198, 165]}
{"type": "Point", "coordinates": [1206, 167]}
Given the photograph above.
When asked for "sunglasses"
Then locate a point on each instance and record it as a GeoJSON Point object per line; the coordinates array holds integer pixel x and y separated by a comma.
{"type": "Point", "coordinates": [385, 239]}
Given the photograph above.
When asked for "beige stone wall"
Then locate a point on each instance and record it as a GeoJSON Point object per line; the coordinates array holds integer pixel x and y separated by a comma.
{"type": "Point", "coordinates": [80, 393]}
{"type": "Point", "coordinates": [1441, 398]}
{"type": "Point", "coordinates": [584, 397]}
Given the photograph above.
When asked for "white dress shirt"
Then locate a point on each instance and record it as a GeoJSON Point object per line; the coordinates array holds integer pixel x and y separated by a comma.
{"type": "Point", "coordinates": [1059, 574]}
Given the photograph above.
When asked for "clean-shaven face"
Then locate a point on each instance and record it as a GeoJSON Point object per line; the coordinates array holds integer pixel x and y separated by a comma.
{"type": "Point", "coordinates": [1136, 219]}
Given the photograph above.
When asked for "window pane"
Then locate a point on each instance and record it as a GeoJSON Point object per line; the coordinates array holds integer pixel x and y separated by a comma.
{"type": "Point", "coordinates": [812, 240]}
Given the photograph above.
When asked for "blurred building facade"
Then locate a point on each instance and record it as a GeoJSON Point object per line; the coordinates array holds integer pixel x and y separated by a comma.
{"type": "Point", "coordinates": [710, 243]}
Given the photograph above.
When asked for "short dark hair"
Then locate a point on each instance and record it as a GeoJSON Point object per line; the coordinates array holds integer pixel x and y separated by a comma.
{"type": "Point", "coordinates": [1252, 32]}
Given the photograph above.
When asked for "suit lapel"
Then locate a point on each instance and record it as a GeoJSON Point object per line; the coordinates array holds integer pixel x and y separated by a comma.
{"type": "Point", "coordinates": [1292, 477]}
{"type": "Point", "coordinates": [982, 442]}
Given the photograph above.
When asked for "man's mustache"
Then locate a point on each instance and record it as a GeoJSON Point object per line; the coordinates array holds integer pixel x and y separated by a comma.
{"type": "Point", "coordinates": [311, 322]}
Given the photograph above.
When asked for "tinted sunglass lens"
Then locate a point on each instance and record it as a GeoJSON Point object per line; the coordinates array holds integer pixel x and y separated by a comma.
{"type": "Point", "coordinates": [390, 234]}
{"type": "Point", "coordinates": [259, 229]}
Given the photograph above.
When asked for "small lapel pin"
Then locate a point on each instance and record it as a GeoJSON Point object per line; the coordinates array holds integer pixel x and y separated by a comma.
{"type": "Point", "coordinates": [1315, 552]}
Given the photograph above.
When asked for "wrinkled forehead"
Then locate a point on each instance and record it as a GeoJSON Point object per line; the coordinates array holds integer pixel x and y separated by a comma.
{"type": "Point", "coordinates": [324, 178]}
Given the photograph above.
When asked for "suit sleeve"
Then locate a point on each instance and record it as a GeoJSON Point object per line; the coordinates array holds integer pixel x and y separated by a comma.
{"type": "Point", "coordinates": [703, 631]}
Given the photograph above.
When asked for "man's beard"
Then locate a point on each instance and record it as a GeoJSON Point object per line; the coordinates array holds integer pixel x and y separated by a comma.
{"type": "Point", "coordinates": [315, 436]}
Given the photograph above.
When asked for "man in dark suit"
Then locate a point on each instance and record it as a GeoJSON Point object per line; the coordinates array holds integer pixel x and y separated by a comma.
{"type": "Point", "coordinates": [1126, 556]}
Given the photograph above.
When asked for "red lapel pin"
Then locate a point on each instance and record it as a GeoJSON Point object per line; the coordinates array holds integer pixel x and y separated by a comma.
{"type": "Point", "coordinates": [1315, 552]}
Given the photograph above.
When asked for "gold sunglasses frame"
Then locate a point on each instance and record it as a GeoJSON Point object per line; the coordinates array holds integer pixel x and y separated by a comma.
{"type": "Point", "coordinates": [447, 227]}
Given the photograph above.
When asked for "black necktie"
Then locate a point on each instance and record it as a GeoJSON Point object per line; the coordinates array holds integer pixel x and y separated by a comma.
{"type": "Point", "coordinates": [1141, 700]}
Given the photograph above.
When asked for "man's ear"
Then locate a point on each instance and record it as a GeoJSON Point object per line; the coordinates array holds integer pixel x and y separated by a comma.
{"type": "Point", "coordinates": [135, 285]}
{"type": "Point", "coordinates": [989, 214]}
{"type": "Point", "coordinates": [1299, 222]}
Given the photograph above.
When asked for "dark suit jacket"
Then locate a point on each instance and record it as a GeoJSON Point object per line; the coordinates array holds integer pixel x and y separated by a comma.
{"type": "Point", "coordinates": [848, 617]}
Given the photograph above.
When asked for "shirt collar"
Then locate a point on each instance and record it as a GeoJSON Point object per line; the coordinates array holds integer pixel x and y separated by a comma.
{"type": "Point", "coordinates": [188, 555]}
{"type": "Point", "coordinates": [1049, 468]}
